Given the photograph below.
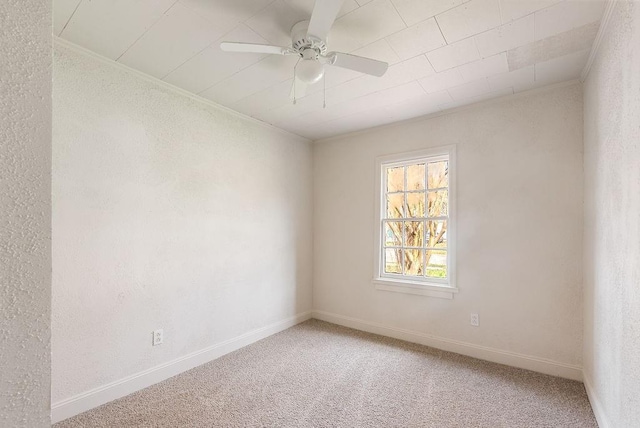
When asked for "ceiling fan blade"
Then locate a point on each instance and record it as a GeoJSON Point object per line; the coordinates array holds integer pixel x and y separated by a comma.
{"type": "Point", "coordinates": [322, 18]}
{"type": "Point", "coordinates": [255, 48]}
{"type": "Point", "coordinates": [357, 63]}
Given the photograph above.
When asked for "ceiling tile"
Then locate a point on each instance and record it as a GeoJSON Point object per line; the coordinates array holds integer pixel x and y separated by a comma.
{"type": "Point", "coordinates": [496, 47]}
{"type": "Point", "coordinates": [62, 11]}
{"type": "Point", "coordinates": [418, 106]}
{"type": "Point", "coordinates": [417, 67]}
{"type": "Point", "coordinates": [379, 50]}
{"type": "Point", "coordinates": [414, 11]}
{"type": "Point", "coordinates": [306, 6]}
{"type": "Point", "coordinates": [274, 22]}
{"type": "Point", "coordinates": [441, 81]}
{"type": "Point", "coordinates": [439, 98]}
{"type": "Point", "coordinates": [469, 19]}
{"type": "Point", "coordinates": [301, 129]}
{"type": "Point", "coordinates": [362, 112]}
{"type": "Point", "coordinates": [454, 54]}
{"type": "Point", "coordinates": [484, 67]}
{"type": "Point", "coordinates": [355, 88]}
{"type": "Point", "coordinates": [407, 109]}
{"type": "Point", "coordinates": [367, 102]}
{"type": "Point", "coordinates": [420, 38]}
{"type": "Point", "coordinates": [471, 89]}
{"type": "Point", "coordinates": [552, 47]}
{"type": "Point", "coordinates": [289, 111]}
{"type": "Point", "coordinates": [482, 97]}
{"type": "Point", "coordinates": [271, 70]}
{"type": "Point", "coordinates": [338, 75]}
{"type": "Point", "coordinates": [425, 104]}
{"type": "Point", "coordinates": [514, 9]}
{"type": "Point", "coordinates": [561, 69]}
{"type": "Point", "coordinates": [225, 14]}
{"type": "Point", "coordinates": [373, 21]}
{"type": "Point", "coordinates": [110, 27]}
{"type": "Point", "coordinates": [519, 80]}
{"type": "Point", "coordinates": [271, 97]}
{"type": "Point", "coordinates": [212, 65]}
{"type": "Point", "coordinates": [176, 37]}
{"type": "Point", "coordinates": [566, 16]}
{"type": "Point", "coordinates": [398, 74]}
{"type": "Point", "coordinates": [505, 37]}
{"type": "Point", "coordinates": [390, 96]}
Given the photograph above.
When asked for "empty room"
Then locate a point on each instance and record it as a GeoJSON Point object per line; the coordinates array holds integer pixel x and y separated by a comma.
{"type": "Point", "coordinates": [320, 213]}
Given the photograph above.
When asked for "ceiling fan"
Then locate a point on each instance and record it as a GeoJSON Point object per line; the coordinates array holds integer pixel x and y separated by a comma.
{"type": "Point", "coordinates": [309, 42]}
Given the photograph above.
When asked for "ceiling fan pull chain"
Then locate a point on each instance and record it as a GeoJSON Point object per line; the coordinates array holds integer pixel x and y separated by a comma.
{"type": "Point", "coordinates": [294, 81]}
{"type": "Point", "coordinates": [324, 90]}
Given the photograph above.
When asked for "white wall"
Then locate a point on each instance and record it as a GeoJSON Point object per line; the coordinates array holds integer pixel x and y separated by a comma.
{"type": "Point", "coordinates": [519, 228]}
{"type": "Point", "coordinates": [612, 222]}
{"type": "Point", "coordinates": [170, 214]}
{"type": "Point", "coordinates": [25, 212]}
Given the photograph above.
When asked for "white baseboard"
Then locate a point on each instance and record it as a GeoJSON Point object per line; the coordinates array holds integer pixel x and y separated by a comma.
{"type": "Point", "coordinates": [513, 359]}
{"type": "Point", "coordinates": [598, 410]}
{"type": "Point", "coordinates": [95, 397]}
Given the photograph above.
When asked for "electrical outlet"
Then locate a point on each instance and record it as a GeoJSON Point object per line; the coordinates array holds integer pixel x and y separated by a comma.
{"type": "Point", "coordinates": [475, 320]}
{"type": "Point", "coordinates": [158, 337]}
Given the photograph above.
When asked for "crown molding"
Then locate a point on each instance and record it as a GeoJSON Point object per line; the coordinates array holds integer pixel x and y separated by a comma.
{"type": "Point", "coordinates": [58, 41]}
{"type": "Point", "coordinates": [604, 24]}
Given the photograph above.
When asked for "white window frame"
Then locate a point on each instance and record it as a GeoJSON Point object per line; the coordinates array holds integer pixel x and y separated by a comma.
{"type": "Point", "coordinates": [393, 282]}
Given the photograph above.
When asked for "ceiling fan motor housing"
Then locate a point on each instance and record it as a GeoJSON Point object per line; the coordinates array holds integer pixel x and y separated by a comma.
{"type": "Point", "coordinates": [302, 42]}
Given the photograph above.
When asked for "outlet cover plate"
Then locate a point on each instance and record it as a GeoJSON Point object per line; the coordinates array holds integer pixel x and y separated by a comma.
{"type": "Point", "coordinates": [158, 337]}
{"type": "Point", "coordinates": [475, 320]}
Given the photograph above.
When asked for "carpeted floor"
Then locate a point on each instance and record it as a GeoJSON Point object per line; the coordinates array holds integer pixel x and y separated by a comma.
{"type": "Point", "coordinates": [321, 375]}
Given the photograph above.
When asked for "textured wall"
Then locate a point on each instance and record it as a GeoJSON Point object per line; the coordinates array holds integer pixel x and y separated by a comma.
{"type": "Point", "coordinates": [519, 230]}
{"type": "Point", "coordinates": [25, 212]}
{"type": "Point", "coordinates": [167, 214]}
{"type": "Point", "coordinates": [612, 220]}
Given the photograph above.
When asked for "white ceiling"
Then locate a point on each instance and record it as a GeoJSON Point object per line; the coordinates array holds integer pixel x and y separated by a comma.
{"type": "Point", "coordinates": [442, 53]}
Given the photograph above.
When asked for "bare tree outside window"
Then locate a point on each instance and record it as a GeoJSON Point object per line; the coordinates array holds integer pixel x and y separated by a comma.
{"type": "Point", "coordinates": [416, 198]}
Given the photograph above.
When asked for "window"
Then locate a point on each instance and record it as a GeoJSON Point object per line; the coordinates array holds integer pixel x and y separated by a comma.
{"type": "Point", "coordinates": [415, 227]}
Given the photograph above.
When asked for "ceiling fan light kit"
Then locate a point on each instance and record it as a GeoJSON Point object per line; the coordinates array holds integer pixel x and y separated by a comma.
{"type": "Point", "coordinates": [309, 43]}
{"type": "Point", "coordinates": [309, 71]}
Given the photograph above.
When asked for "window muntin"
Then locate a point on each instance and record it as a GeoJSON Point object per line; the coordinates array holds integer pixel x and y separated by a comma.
{"type": "Point", "coordinates": [415, 220]}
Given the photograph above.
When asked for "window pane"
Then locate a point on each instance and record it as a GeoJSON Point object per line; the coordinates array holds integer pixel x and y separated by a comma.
{"type": "Point", "coordinates": [436, 234]}
{"type": "Point", "coordinates": [414, 234]}
{"type": "Point", "coordinates": [438, 203]}
{"type": "Point", "coordinates": [415, 204]}
{"type": "Point", "coordinates": [415, 177]}
{"type": "Point", "coordinates": [395, 179]}
{"type": "Point", "coordinates": [395, 205]}
{"type": "Point", "coordinates": [393, 234]}
{"type": "Point", "coordinates": [438, 174]}
{"type": "Point", "coordinates": [413, 263]}
{"type": "Point", "coordinates": [436, 263]}
{"type": "Point", "coordinates": [392, 260]}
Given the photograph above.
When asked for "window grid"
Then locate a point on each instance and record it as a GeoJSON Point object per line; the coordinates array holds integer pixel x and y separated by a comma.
{"type": "Point", "coordinates": [400, 251]}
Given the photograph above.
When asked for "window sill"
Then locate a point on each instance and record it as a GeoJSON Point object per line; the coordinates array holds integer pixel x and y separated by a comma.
{"type": "Point", "coordinates": [410, 287]}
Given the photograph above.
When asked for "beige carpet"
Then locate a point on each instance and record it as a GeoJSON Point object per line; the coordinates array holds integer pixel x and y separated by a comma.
{"type": "Point", "coordinates": [320, 375]}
